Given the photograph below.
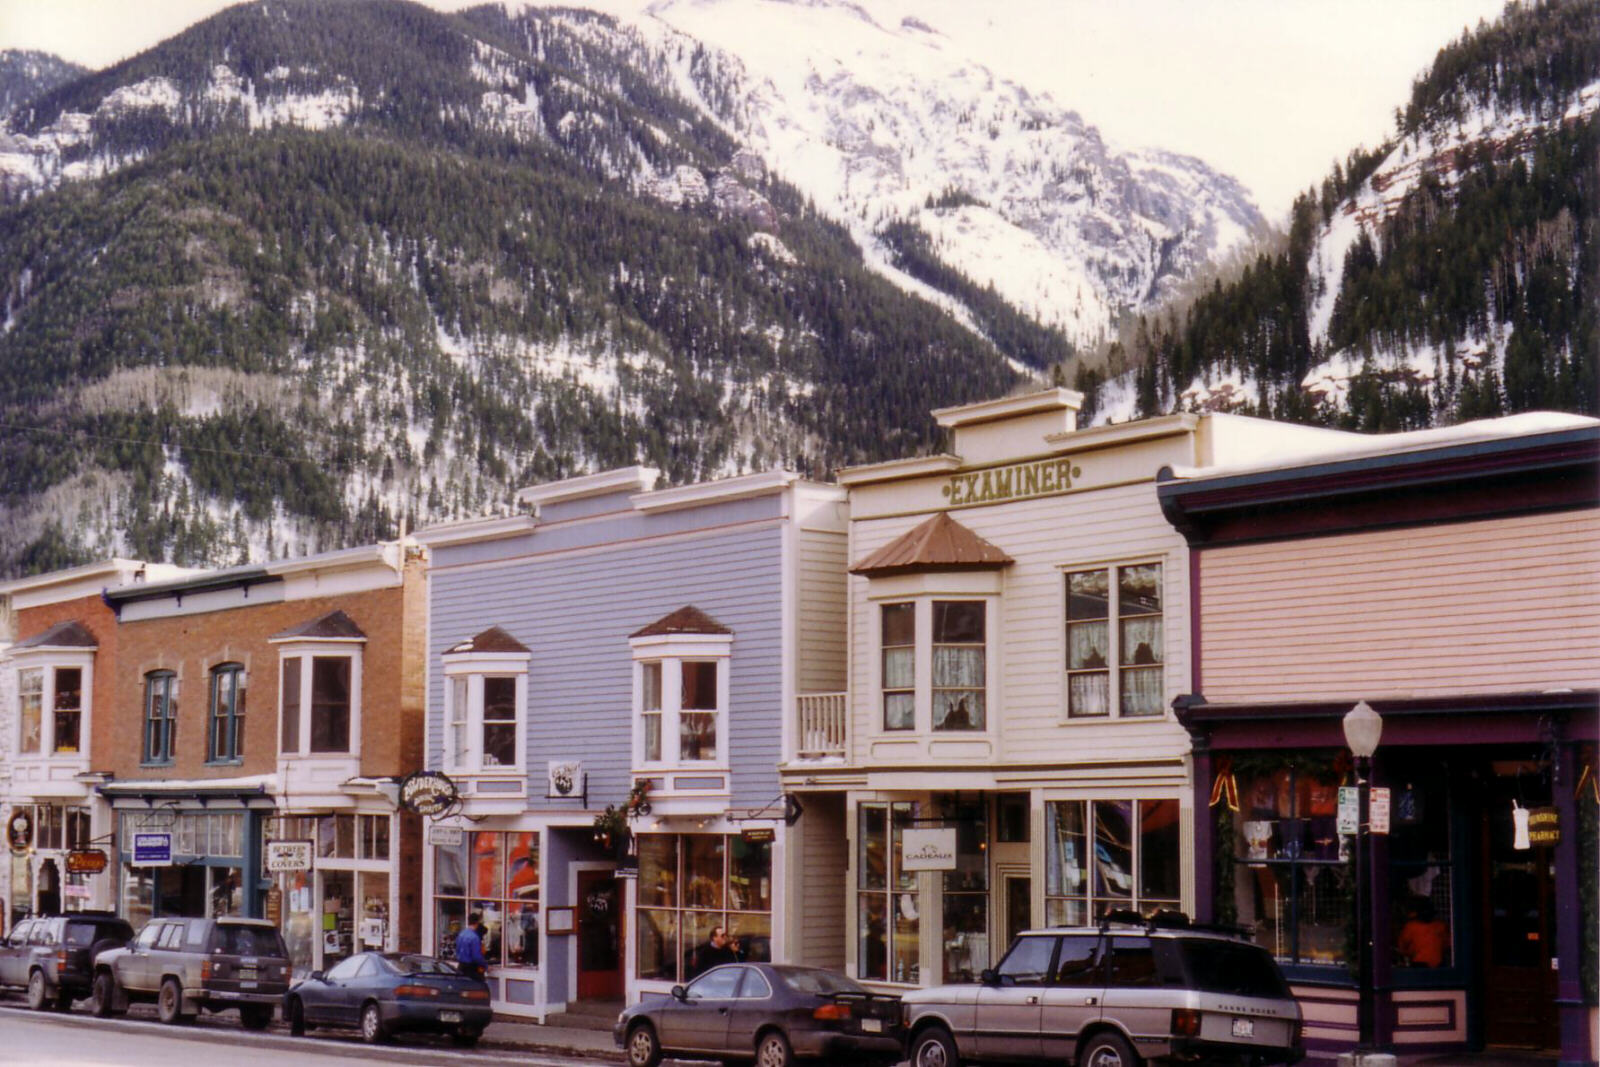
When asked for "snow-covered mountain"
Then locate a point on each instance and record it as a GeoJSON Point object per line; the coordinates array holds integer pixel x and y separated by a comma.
{"type": "Point", "coordinates": [893, 121]}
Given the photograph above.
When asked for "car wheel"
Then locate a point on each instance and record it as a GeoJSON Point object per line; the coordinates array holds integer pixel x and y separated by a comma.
{"type": "Point", "coordinates": [465, 1037]}
{"type": "Point", "coordinates": [773, 1050]}
{"type": "Point", "coordinates": [934, 1048]}
{"type": "Point", "coordinates": [37, 1000]}
{"type": "Point", "coordinates": [297, 1017]}
{"type": "Point", "coordinates": [104, 1002]}
{"type": "Point", "coordinates": [373, 1032]}
{"type": "Point", "coordinates": [256, 1016]}
{"type": "Point", "coordinates": [643, 1048]}
{"type": "Point", "coordinates": [169, 1002]}
{"type": "Point", "coordinates": [1108, 1050]}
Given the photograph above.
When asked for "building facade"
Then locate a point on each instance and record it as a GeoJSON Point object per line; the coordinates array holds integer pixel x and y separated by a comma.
{"type": "Point", "coordinates": [1450, 579]}
{"type": "Point", "coordinates": [264, 704]}
{"type": "Point", "coordinates": [57, 733]}
{"type": "Point", "coordinates": [608, 679]}
{"type": "Point", "coordinates": [1019, 622]}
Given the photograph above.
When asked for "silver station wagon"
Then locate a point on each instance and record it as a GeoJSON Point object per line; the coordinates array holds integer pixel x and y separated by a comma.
{"type": "Point", "coordinates": [1128, 991]}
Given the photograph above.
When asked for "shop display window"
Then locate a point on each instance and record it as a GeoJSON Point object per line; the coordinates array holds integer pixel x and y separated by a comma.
{"type": "Point", "coordinates": [1292, 878]}
{"type": "Point", "coordinates": [1134, 861]}
{"type": "Point", "coordinates": [1421, 872]}
{"type": "Point", "coordinates": [966, 897]}
{"type": "Point", "coordinates": [495, 874]}
{"type": "Point", "coordinates": [690, 883]}
{"type": "Point", "coordinates": [888, 925]}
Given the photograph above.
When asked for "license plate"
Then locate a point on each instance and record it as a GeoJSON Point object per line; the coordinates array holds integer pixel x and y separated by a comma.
{"type": "Point", "coordinates": [872, 1026]}
{"type": "Point", "coordinates": [449, 1016]}
{"type": "Point", "coordinates": [1244, 1028]}
{"type": "Point", "coordinates": [247, 972]}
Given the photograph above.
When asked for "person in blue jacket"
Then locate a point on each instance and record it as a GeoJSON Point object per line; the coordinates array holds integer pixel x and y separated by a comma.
{"type": "Point", "coordinates": [469, 948]}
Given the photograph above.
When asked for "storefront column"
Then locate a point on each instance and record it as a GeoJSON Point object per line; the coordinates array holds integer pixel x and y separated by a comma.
{"type": "Point", "coordinates": [254, 882]}
{"type": "Point", "coordinates": [1205, 878]}
{"type": "Point", "coordinates": [1573, 1013]}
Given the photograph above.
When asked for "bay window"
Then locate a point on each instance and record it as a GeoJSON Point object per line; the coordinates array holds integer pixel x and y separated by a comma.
{"type": "Point", "coordinates": [320, 702]}
{"type": "Point", "coordinates": [680, 702]}
{"type": "Point", "coordinates": [1114, 627]}
{"type": "Point", "coordinates": [50, 707]}
{"type": "Point", "coordinates": [486, 702]}
{"type": "Point", "coordinates": [933, 665]}
{"type": "Point", "coordinates": [899, 661]}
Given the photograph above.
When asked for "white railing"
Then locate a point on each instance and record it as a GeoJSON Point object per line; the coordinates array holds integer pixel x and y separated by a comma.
{"type": "Point", "coordinates": [822, 725]}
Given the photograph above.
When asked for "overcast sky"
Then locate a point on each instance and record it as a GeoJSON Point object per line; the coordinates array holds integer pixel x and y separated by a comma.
{"type": "Point", "coordinates": [1270, 91]}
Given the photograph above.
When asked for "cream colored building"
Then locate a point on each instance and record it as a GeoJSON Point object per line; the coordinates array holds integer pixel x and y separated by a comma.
{"type": "Point", "coordinates": [1006, 755]}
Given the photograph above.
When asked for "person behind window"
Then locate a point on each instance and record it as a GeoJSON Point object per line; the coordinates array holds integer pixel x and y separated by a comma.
{"type": "Point", "coordinates": [1424, 938]}
{"type": "Point", "coordinates": [469, 948]}
{"type": "Point", "coordinates": [719, 949]}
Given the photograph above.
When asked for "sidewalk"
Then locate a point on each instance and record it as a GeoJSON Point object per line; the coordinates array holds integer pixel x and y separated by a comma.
{"type": "Point", "coordinates": [510, 1032]}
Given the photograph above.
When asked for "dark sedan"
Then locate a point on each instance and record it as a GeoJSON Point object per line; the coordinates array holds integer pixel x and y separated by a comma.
{"type": "Point", "coordinates": [776, 1014]}
{"type": "Point", "coordinates": [385, 993]}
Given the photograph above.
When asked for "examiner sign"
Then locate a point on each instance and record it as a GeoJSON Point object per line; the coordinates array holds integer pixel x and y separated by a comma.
{"type": "Point", "coordinates": [1015, 481]}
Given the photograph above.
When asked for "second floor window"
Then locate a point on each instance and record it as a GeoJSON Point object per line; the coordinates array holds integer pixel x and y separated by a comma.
{"type": "Point", "coordinates": [49, 710]}
{"type": "Point", "coordinates": [1114, 641]}
{"type": "Point", "coordinates": [959, 653]}
{"type": "Point", "coordinates": [933, 663]}
{"type": "Point", "coordinates": [318, 701]}
{"type": "Point", "coordinates": [227, 713]}
{"type": "Point", "coordinates": [484, 715]}
{"type": "Point", "coordinates": [68, 702]}
{"type": "Point", "coordinates": [160, 716]}
{"type": "Point", "coordinates": [899, 666]}
{"type": "Point", "coordinates": [30, 711]}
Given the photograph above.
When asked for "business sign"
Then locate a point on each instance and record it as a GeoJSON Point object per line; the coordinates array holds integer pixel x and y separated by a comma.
{"type": "Point", "coordinates": [1015, 481]}
{"type": "Point", "coordinates": [446, 836]}
{"type": "Point", "coordinates": [19, 829]}
{"type": "Point", "coordinates": [428, 792]}
{"type": "Point", "coordinates": [1544, 826]}
{"type": "Point", "coordinates": [928, 850]}
{"type": "Point", "coordinates": [152, 849]}
{"type": "Point", "coordinates": [86, 861]}
{"type": "Point", "coordinates": [756, 835]}
{"type": "Point", "coordinates": [1378, 810]}
{"type": "Point", "coordinates": [288, 856]}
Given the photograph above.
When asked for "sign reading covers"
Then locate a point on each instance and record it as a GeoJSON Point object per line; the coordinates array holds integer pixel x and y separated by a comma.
{"type": "Point", "coordinates": [288, 856]}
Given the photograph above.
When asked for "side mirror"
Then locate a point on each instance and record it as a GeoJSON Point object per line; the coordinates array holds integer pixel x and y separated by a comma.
{"type": "Point", "coordinates": [680, 993]}
{"type": "Point", "coordinates": [990, 977]}
{"type": "Point", "coordinates": [318, 976]}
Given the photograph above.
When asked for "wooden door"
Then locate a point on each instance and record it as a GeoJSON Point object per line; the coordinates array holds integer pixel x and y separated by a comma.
{"type": "Point", "coordinates": [600, 935]}
{"type": "Point", "coordinates": [1519, 933]}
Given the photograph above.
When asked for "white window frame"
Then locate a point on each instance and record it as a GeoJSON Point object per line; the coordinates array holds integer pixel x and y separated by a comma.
{"type": "Point", "coordinates": [308, 650]}
{"type": "Point", "coordinates": [472, 668]}
{"type": "Point", "coordinates": [924, 600]}
{"type": "Point", "coordinates": [672, 651]}
{"type": "Point", "coordinates": [1114, 666]}
{"type": "Point", "coordinates": [48, 662]}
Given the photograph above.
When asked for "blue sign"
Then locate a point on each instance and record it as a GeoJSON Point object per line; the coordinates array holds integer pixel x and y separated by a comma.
{"type": "Point", "coordinates": [152, 850]}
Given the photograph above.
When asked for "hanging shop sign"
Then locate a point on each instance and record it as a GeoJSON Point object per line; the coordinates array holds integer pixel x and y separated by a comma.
{"type": "Point", "coordinates": [19, 830]}
{"type": "Point", "coordinates": [288, 856]}
{"type": "Point", "coordinates": [446, 836]}
{"type": "Point", "coordinates": [428, 792]}
{"type": "Point", "coordinates": [928, 850]}
{"type": "Point", "coordinates": [152, 849]}
{"type": "Point", "coordinates": [758, 834]}
{"type": "Point", "coordinates": [1378, 810]}
{"type": "Point", "coordinates": [86, 861]}
{"type": "Point", "coordinates": [1544, 826]}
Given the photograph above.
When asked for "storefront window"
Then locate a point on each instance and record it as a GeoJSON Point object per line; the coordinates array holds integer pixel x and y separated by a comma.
{"type": "Point", "coordinates": [1421, 883]}
{"type": "Point", "coordinates": [692, 883]}
{"type": "Point", "coordinates": [888, 923]}
{"type": "Point", "coordinates": [966, 898]}
{"type": "Point", "coordinates": [1134, 861]}
{"type": "Point", "coordinates": [1291, 883]}
{"type": "Point", "coordinates": [497, 875]}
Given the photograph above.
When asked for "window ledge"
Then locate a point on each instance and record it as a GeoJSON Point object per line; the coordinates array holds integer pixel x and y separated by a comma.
{"type": "Point", "coordinates": [237, 761]}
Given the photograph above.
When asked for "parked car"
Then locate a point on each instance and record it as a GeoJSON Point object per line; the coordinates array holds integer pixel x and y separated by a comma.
{"type": "Point", "coordinates": [188, 965]}
{"type": "Point", "coordinates": [1114, 996]}
{"type": "Point", "coordinates": [53, 957]}
{"type": "Point", "coordinates": [774, 1013]}
{"type": "Point", "coordinates": [384, 993]}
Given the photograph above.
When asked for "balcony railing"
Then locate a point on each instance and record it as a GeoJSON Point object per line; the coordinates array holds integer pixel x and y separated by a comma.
{"type": "Point", "coordinates": [822, 721]}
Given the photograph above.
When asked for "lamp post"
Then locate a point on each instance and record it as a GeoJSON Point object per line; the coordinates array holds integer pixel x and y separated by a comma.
{"type": "Point", "coordinates": [1362, 729]}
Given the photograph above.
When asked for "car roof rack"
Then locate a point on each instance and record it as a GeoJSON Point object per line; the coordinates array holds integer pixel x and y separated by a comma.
{"type": "Point", "coordinates": [1168, 919]}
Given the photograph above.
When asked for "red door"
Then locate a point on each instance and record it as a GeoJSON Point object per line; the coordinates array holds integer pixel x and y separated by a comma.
{"type": "Point", "coordinates": [600, 933]}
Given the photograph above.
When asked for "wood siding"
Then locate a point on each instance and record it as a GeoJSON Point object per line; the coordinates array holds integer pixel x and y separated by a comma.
{"type": "Point", "coordinates": [1027, 698]}
{"type": "Point", "coordinates": [824, 882]}
{"type": "Point", "coordinates": [576, 609]}
{"type": "Point", "coordinates": [1504, 605]}
{"type": "Point", "coordinates": [821, 593]}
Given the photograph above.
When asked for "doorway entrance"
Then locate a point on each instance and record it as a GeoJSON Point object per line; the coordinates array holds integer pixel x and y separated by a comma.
{"type": "Point", "coordinates": [1019, 906]}
{"type": "Point", "coordinates": [1519, 1004]}
{"type": "Point", "coordinates": [600, 933]}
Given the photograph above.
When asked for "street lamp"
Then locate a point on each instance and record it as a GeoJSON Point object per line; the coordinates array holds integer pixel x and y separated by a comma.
{"type": "Point", "coordinates": [1362, 729]}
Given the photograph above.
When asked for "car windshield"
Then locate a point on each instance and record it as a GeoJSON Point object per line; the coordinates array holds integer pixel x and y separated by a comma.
{"type": "Point", "coordinates": [247, 941]}
{"type": "Point", "coordinates": [82, 935]}
{"type": "Point", "coordinates": [816, 983]}
{"type": "Point", "coordinates": [406, 964]}
{"type": "Point", "coordinates": [1232, 967]}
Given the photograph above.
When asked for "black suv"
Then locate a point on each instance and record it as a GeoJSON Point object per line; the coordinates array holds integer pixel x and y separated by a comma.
{"type": "Point", "coordinates": [53, 957]}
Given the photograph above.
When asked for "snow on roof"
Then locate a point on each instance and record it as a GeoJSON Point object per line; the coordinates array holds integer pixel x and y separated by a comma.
{"type": "Point", "coordinates": [1338, 445]}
